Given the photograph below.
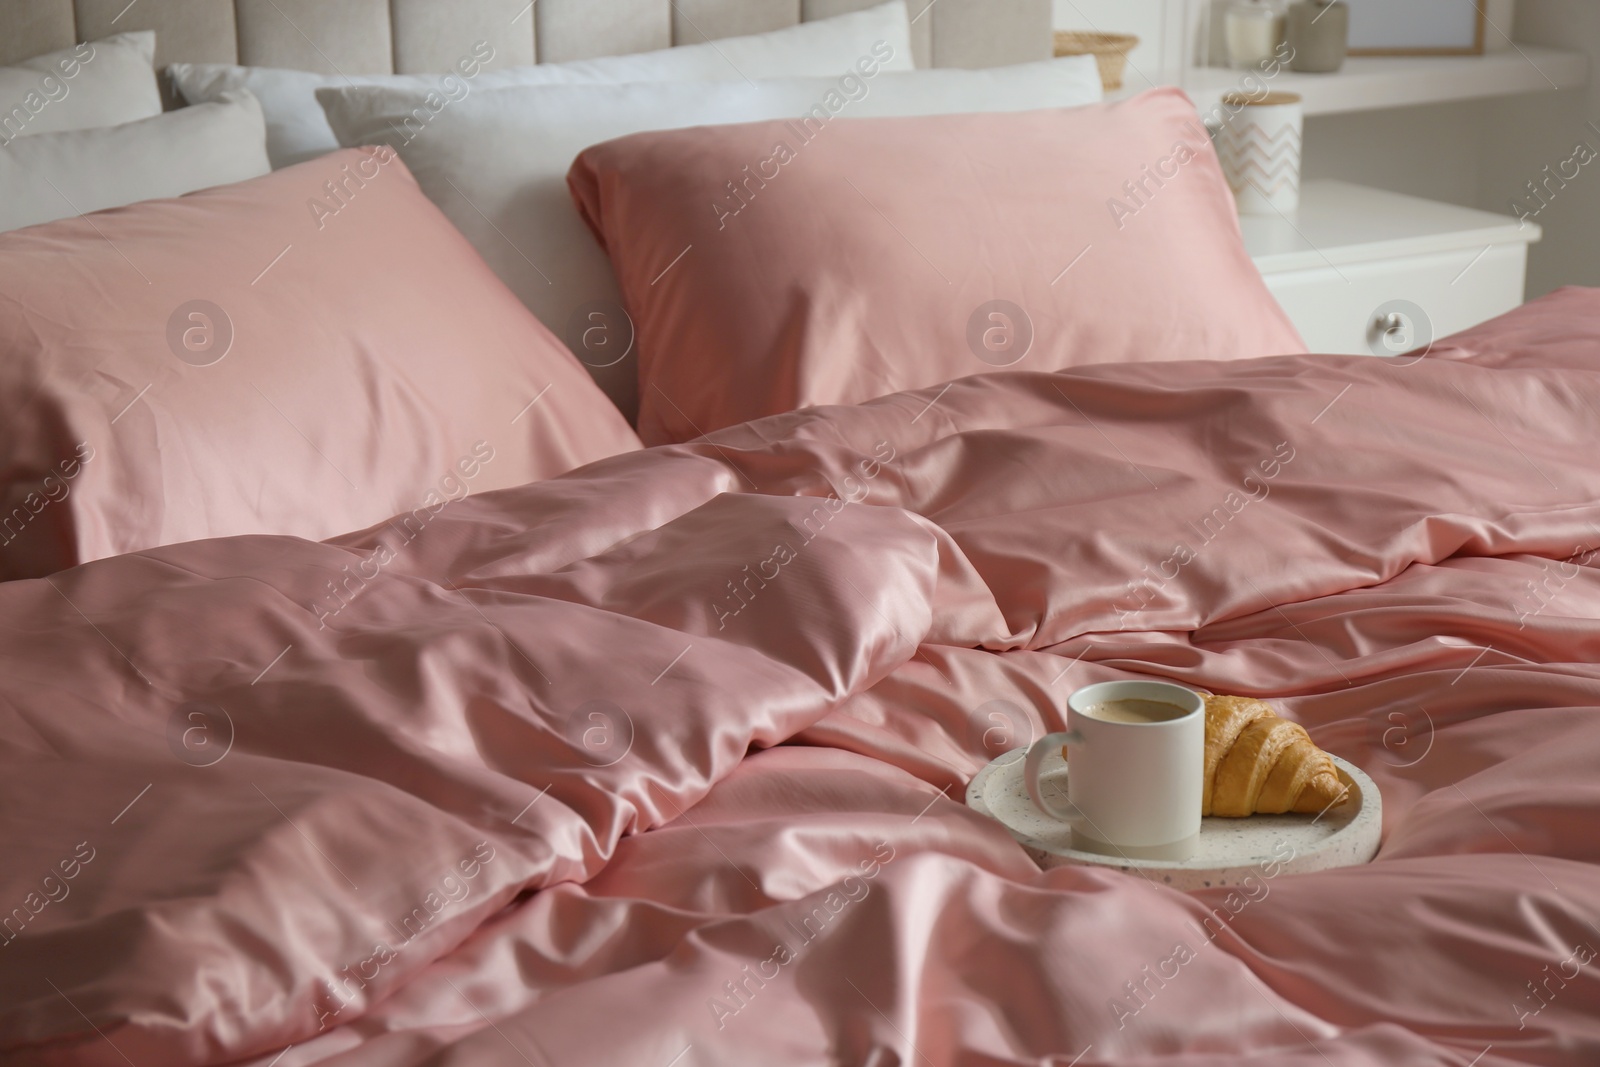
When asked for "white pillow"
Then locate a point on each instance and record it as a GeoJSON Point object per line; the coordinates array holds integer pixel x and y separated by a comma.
{"type": "Point", "coordinates": [297, 130]}
{"type": "Point", "coordinates": [57, 175]}
{"type": "Point", "coordinates": [98, 83]}
{"type": "Point", "coordinates": [496, 161]}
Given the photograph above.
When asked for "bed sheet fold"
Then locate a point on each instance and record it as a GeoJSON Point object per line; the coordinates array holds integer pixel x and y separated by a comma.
{"type": "Point", "coordinates": [662, 761]}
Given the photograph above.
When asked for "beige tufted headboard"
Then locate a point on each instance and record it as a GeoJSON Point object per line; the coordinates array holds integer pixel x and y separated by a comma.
{"type": "Point", "coordinates": [421, 36]}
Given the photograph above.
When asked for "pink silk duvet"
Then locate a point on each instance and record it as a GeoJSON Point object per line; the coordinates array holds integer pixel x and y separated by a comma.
{"type": "Point", "coordinates": [661, 762]}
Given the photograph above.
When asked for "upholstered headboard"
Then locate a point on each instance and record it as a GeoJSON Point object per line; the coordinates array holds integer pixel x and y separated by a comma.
{"type": "Point", "coordinates": [420, 36]}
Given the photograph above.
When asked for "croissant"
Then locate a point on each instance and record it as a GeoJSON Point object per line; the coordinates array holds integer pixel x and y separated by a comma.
{"type": "Point", "coordinates": [1259, 762]}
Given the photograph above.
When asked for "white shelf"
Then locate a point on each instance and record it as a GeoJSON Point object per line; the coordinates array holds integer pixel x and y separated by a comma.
{"type": "Point", "coordinates": [1371, 83]}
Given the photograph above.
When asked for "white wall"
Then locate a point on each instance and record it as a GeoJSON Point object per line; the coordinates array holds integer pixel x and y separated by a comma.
{"type": "Point", "coordinates": [1478, 153]}
{"type": "Point", "coordinates": [1522, 135]}
{"type": "Point", "coordinates": [1433, 152]}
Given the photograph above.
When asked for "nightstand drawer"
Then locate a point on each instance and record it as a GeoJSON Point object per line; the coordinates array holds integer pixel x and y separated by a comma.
{"type": "Point", "coordinates": [1337, 308]}
{"type": "Point", "coordinates": [1351, 255]}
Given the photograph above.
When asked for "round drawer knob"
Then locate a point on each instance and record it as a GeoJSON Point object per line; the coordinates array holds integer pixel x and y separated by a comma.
{"type": "Point", "coordinates": [1399, 328]}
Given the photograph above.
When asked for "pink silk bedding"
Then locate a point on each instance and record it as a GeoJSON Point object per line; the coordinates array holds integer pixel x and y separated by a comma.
{"type": "Point", "coordinates": [660, 762]}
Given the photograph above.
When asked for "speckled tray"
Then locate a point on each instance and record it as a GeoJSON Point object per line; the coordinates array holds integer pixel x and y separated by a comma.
{"type": "Point", "coordinates": [1230, 850]}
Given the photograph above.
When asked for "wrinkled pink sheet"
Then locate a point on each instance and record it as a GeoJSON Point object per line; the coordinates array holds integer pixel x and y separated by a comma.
{"type": "Point", "coordinates": [562, 783]}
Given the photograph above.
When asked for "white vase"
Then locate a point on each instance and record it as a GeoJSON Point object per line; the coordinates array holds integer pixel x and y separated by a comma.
{"type": "Point", "coordinates": [1259, 144]}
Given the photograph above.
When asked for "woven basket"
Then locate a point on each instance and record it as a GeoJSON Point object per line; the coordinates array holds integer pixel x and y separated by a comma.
{"type": "Point", "coordinates": [1110, 51]}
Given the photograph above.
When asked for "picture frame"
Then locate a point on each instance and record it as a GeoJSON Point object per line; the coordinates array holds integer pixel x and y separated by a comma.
{"type": "Point", "coordinates": [1417, 28]}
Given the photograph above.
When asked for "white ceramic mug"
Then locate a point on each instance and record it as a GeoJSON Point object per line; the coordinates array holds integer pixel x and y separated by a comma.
{"type": "Point", "coordinates": [1133, 789]}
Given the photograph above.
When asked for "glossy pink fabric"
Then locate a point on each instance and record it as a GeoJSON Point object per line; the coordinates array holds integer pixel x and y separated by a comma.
{"type": "Point", "coordinates": [304, 353]}
{"type": "Point", "coordinates": [774, 265]}
{"type": "Point", "coordinates": [789, 776]}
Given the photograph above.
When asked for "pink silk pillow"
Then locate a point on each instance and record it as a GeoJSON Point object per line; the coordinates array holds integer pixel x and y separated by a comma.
{"type": "Point", "coordinates": [306, 353]}
{"type": "Point", "coordinates": [776, 265]}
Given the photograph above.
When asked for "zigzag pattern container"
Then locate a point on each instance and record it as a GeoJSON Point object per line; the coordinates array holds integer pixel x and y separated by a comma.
{"type": "Point", "coordinates": [1260, 149]}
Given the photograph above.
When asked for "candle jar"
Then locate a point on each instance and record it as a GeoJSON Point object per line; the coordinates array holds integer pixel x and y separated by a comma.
{"type": "Point", "coordinates": [1259, 148]}
{"type": "Point", "coordinates": [1254, 31]}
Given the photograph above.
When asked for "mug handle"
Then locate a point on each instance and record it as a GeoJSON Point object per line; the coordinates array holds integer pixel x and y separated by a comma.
{"type": "Point", "coordinates": [1035, 760]}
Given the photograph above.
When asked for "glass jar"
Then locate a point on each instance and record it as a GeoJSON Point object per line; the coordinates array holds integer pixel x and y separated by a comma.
{"type": "Point", "coordinates": [1254, 31]}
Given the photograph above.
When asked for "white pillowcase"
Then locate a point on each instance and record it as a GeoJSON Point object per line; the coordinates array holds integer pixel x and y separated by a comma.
{"type": "Point", "coordinates": [98, 83]}
{"type": "Point", "coordinates": [297, 130]}
{"type": "Point", "coordinates": [57, 175]}
{"type": "Point", "coordinates": [496, 162]}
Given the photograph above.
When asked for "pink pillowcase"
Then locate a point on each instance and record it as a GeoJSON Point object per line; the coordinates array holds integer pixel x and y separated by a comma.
{"type": "Point", "coordinates": [305, 353]}
{"type": "Point", "coordinates": [776, 265]}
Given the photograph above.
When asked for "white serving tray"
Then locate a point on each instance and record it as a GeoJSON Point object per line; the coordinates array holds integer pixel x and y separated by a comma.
{"type": "Point", "coordinates": [1230, 850]}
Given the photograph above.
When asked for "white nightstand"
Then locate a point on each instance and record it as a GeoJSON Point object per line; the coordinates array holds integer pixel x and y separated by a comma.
{"type": "Point", "coordinates": [1353, 256]}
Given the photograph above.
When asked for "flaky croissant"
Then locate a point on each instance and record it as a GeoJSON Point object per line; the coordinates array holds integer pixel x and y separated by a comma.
{"type": "Point", "coordinates": [1259, 762]}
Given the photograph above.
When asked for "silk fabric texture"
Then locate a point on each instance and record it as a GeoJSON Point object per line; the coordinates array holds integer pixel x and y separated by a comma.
{"type": "Point", "coordinates": [303, 353]}
{"type": "Point", "coordinates": [664, 759]}
{"type": "Point", "coordinates": [774, 265]}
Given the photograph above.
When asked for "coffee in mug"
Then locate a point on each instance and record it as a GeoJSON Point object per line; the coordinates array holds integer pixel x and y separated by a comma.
{"type": "Point", "coordinates": [1135, 710]}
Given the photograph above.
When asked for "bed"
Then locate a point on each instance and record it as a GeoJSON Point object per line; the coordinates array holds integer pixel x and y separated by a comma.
{"type": "Point", "coordinates": [550, 748]}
